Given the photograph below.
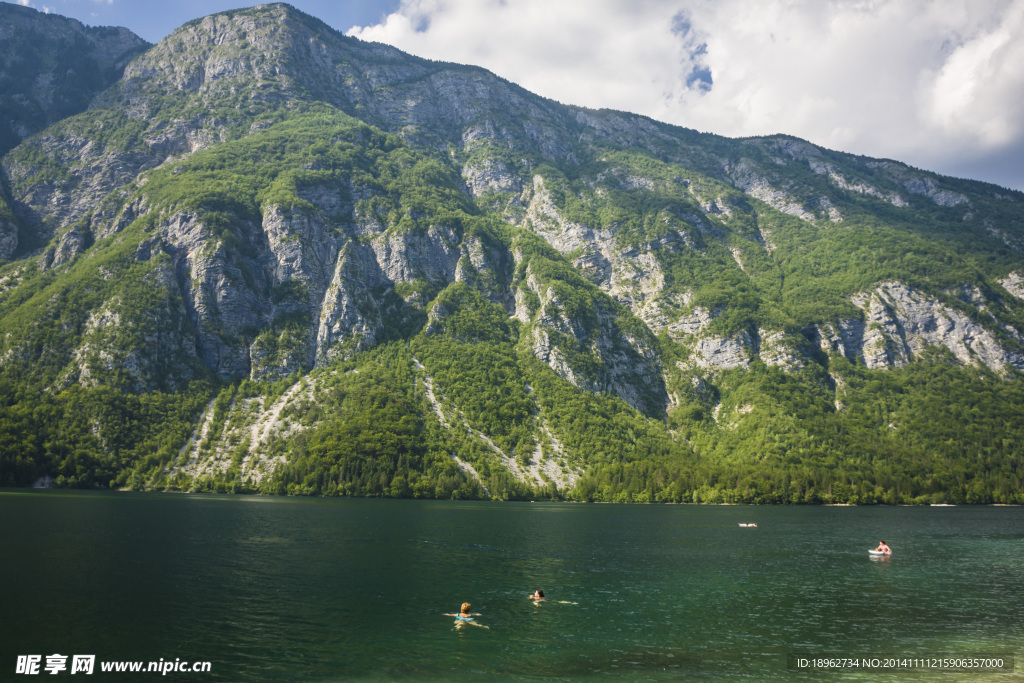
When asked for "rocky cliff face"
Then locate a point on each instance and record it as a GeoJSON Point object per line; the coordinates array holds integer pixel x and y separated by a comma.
{"type": "Point", "coordinates": [899, 323]}
{"type": "Point", "coordinates": [8, 231]}
{"type": "Point", "coordinates": [590, 348]}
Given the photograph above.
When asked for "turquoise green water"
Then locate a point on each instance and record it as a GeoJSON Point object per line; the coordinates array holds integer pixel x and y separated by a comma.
{"type": "Point", "coordinates": [320, 590]}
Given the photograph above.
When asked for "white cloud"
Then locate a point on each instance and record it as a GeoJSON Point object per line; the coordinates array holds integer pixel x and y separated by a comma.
{"type": "Point", "coordinates": [969, 92]}
{"type": "Point", "coordinates": [936, 83]}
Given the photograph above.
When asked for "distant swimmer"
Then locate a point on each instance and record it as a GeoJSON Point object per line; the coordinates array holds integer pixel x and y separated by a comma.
{"type": "Point", "coordinates": [464, 616]}
{"type": "Point", "coordinates": [538, 595]}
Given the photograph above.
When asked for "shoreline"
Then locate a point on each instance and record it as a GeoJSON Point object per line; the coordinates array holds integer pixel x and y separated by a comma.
{"type": "Point", "coordinates": [267, 496]}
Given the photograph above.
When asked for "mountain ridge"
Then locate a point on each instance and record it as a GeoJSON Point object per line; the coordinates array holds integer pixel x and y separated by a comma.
{"type": "Point", "coordinates": [262, 201]}
{"type": "Point", "coordinates": [80, 62]}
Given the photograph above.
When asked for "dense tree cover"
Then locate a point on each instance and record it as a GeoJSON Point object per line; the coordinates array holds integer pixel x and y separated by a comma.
{"type": "Point", "coordinates": [373, 440]}
{"type": "Point", "coordinates": [376, 435]}
{"type": "Point", "coordinates": [92, 437]}
{"type": "Point", "coordinates": [470, 353]}
{"type": "Point", "coordinates": [931, 432]}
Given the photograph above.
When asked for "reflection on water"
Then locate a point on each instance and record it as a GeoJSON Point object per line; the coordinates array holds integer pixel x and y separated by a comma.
{"type": "Point", "coordinates": [310, 589]}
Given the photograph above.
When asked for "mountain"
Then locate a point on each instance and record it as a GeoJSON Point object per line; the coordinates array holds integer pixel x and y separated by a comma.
{"type": "Point", "coordinates": [51, 67]}
{"type": "Point", "coordinates": [271, 257]}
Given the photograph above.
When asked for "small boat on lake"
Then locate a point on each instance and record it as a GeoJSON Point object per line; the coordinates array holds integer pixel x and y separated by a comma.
{"type": "Point", "coordinates": [748, 525]}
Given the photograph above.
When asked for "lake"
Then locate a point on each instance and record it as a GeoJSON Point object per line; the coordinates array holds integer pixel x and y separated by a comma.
{"type": "Point", "coordinates": [272, 589]}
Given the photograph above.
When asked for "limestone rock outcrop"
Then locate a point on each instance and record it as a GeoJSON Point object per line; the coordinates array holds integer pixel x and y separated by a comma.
{"type": "Point", "coordinates": [900, 322]}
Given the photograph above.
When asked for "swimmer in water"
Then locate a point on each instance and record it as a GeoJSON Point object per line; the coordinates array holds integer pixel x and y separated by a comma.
{"type": "Point", "coordinates": [464, 616]}
{"type": "Point", "coordinates": [538, 595]}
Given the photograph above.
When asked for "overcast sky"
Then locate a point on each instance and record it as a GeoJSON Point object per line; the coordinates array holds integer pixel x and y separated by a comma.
{"type": "Point", "coordinates": [938, 84]}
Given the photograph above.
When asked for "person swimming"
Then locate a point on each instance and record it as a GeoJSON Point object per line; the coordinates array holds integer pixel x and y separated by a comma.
{"type": "Point", "coordinates": [464, 616]}
{"type": "Point", "coordinates": [883, 548]}
{"type": "Point", "coordinates": [538, 595]}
